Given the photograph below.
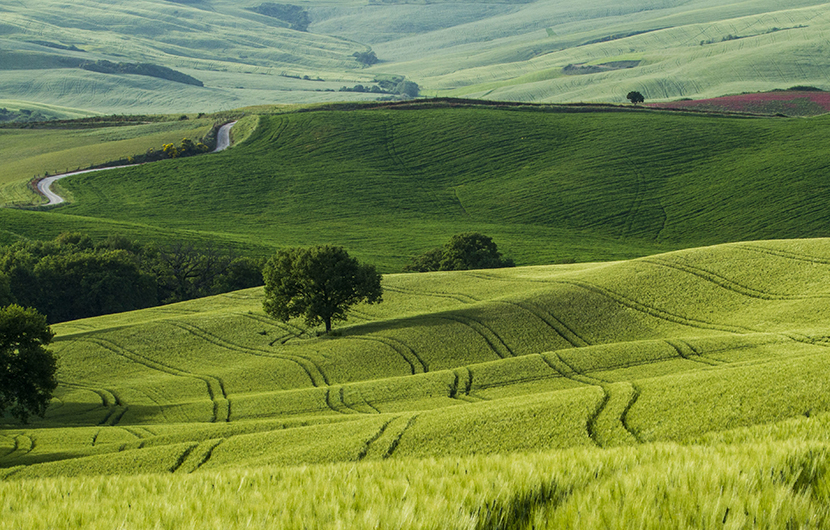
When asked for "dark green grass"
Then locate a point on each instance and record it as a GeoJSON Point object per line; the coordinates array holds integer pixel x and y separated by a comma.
{"type": "Point", "coordinates": [547, 186]}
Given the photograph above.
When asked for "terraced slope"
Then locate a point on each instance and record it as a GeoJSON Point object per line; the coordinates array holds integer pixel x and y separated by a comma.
{"type": "Point", "coordinates": [543, 50]}
{"type": "Point", "coordinates": [546, 184]}
{"type": "Point", "coordinates": [669, 348]}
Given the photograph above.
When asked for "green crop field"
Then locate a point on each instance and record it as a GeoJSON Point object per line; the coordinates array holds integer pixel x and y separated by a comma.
{"type": "Point", "coordinates": [545, 50]}
{"type": "Point", "coordinates": [686, 390]}
{"type": "Point", "coordinates": [547, 183]}
{"type": "Point", "coordinates": [37, 152]}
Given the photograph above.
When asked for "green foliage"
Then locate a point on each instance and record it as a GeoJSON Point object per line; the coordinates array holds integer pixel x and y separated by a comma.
{"type": "Point", "coordinates": [27, 368]}
{"type": "Point", "coordinates": [72, 278]}
{"type": "Point", "coordinates": [635, 97]}
{"type": "Point", "coordinates": [367, 58]}
{"type": "Point", "coordinates": [294, 15]}
{"type": "Point", "coordinates": [466, 251]}
{"type": "Point", "coordinates": [319, 283]}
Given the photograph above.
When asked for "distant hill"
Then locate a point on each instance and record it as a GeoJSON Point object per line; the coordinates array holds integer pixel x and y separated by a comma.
{"type": "Point", "coordinates": [542, 51]}
{"type": "Point", "coordinates": [547, 183]}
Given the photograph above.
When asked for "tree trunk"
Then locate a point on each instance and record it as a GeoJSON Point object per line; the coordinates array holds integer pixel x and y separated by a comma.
{"type": "Point", "coordinates": [328, 325]}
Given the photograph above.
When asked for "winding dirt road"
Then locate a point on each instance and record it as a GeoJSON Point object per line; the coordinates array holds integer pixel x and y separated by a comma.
{"type": "Point", "coordinates": [44, 186]}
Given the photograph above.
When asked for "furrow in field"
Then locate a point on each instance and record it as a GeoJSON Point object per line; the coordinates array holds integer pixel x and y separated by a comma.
{"type": "Point", "coordinates": [315, 374]}
{"type": "Point", "coordinates": [655, 312]}
{"type": "Point", "coordinates": [23, 445]}
{"type": "Point", "coordinates": [685, 350]}
{"type": "Point", "coordinates": [414, 365]}
{"type": "Point", "coordinates": [206, 455]}
{"type": "Point", "coordinates": [197, 456]}
{"type": "Point", "coordinates": [785, 254]}
{"type": "Point", "coordinates": [334, 401]}
{"type": "Point", "coordinates": [214, 387]}
{"type": "Point", "coordinates": [356, 401]}
{"type": "Point", "coordinates": [182, 457]}
{"type": "Point", "coordinates": [396, 439]}
{"type": "Point", "coordinates": [493, 341]}
{"type": "Point", "coordinates": [552, 322]}
{"type": "Point", "coordinates": [605, 426]}
{"type": "Point", "coordinates": [721, 281]}
{"type": "Point", "coordinates": [458, 297]}
{"type": "Point", "coordinates": [462, 386]}
{"type": "Point", "coordinates": [375, 437]}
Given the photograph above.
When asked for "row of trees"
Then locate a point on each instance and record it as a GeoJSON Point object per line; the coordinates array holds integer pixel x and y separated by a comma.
{"type": "Point", "coordinates": [73, 277]}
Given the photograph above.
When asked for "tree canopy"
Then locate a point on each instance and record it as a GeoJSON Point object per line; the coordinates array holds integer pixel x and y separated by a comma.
{"type": "Point", "coordinates": [319, 283]}
{"type": "Point", "coordinates": [73, 277]}
{"type": "Point", "coordinates": [27, 368]}
{"type": "Point", "coordinates": [471, 250]}
{"type": "Point", "coordinates": [635, 97]}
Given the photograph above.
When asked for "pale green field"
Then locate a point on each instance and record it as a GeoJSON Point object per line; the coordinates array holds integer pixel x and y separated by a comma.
{"type": "Point", "coordinates": [685, 348]}
{"type": "Point", "coordinates": [30, 153]}
{"type": "Point", "coordinates": [684, 390]}
{"type": "Point", "coordinates": [487, 49]}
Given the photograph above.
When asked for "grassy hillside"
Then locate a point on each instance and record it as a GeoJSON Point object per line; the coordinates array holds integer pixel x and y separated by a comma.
{"type": "Point", "coordinates": [36, 152]}
{"type": "Point", "coordinates": [389, 183]}
{"type": "Point", "coordinates": [690, 359]}
{"type": "Point", "coordinates": [545, 50]}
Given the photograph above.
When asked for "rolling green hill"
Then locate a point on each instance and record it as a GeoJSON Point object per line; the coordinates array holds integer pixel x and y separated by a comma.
{"type": "Point", "coordinates": [683, 361]}
{"type": "Point", "coordinates": [548, 184]}
{"type": "Point", "coordinates": [546, 50]}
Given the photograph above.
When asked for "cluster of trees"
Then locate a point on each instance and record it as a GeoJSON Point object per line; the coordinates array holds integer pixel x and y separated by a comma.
{"type": "Point", "coordinates": [401, 88]}
{"type": "Point", "coordinates": [187, 148]}
{"type": "Point", "coordinates": [73, 277]}
{"type": "Point", "coordinates": [367, 58]}
{"type": "Point", "coordinates": [471, 250]}
{"type": "Point", "coordinates": [22, 116]}
{"type": "Point", "coordinates": [147, 69]}
{"type": "Point", "coordinates": [297, 16]}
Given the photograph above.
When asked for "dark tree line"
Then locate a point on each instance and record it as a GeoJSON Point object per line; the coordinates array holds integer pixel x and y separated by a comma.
{"type": "Point", "coordinates": [73, 277]}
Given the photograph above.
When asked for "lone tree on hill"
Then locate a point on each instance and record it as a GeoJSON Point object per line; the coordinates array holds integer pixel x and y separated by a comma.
{"type": "Point", "coordinates": [635, 97]}
{"type": "Point", "coordinates": [319, 283]}
{"type": "Point", "coordinates": [470, 250]}
{"type": "Point", "coordinates": [27, 368]}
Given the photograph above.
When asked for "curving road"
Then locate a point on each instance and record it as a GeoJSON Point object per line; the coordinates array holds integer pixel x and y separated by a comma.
{"type": "Point", "coordinates": [44, 186]}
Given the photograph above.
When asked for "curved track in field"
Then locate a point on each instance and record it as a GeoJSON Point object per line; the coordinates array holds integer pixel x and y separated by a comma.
{"type": "Point", "coordinates": [44, 186]}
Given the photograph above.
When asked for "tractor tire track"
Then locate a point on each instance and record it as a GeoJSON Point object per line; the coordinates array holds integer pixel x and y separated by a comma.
{"type": "Point", "coordinates": [207, 456]}
{"type": "Point", "coordinates": [212, 383]}
{"type": "Point", "coordinates": [686, 351]}
{"type": "Point", "coordinates": [183, 457]}
{"type": "Point", "coordinates": [605, 426]}
{"type": "Point", "coordinates": [365, 450]}
{"type": "Point", "coordinates": [396, 441]}
{"type": "Point", "coordinates": [416, 364]}
{"type": "Point", "coordinates": [315, 374]}
{"type": "Point", "coordinates": [458, 297]}
{"type": "Point", "coordinates": [462, 385]}
{"type": "Point", "coordinates": [552, 322]}
{"type": "Point", "coordinates": [495, 343]}
{"type": "Point", "coordinates": [723, 282]}
{"type": "Point", "coordinates": [785, 254]}
{"type": "Point", "coordinates": [655, 312]}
